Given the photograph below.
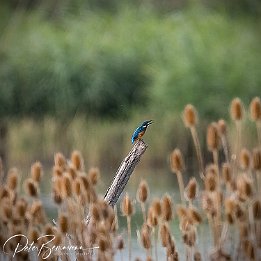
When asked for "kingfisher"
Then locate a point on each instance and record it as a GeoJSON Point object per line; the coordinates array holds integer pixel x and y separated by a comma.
{"type": "Point", "coordinates": [139, 132]}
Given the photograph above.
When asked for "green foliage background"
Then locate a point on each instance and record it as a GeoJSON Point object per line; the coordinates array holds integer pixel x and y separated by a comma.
{"type": "Point", "coordinates": [113, 65]}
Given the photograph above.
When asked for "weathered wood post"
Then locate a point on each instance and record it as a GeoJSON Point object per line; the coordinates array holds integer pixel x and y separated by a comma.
{"type": "Point", "coordinates": [124, 172]}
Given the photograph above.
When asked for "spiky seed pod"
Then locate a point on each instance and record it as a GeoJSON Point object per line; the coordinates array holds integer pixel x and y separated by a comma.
{"type": "Point", "coordinates": [226, 172]}
{"type": "Point", "coordinates": [236, 109]}
{"type": "Point", "coordinates": [6, 212]}
{"type": "Point", "coordinates": [230, 218]}
{"type": "Point", "coordinates": [86, 183]}
{"type": "Point", "coordinates": [194, 215]}
{"type": "Point", "coordinates": [256, 159]}
{"type": "Point", "coordinates": [210, 181]}
{"type": "Point", "coordinates": [239, 213]}
{"type": "Point", "coordinates": [182, 212]}
{"type": "Point", "coordinates": [66, 186]}
{"type": "Point", "coordinates": [197, 256]}
{"type": "Point", "coordinates": [255, 109]}
{"type": "Point", "coordinates": [145, 237]}
{"type": "Point", "coordinates": [76, 186]}
{"type": "Point", "coordinates": [94, 175]}
{"type": "Point", "coordinates": [189, 238]}
{"type": "Point", "coordinates": [120, 243]}
{"type": "Point", "coordinates": [249, 250]}
{"type": "Point", "coordinates": [33, 234]}
{"type": "Point", "coordinates": [165, 235]}
{"type": "Point", "coordinates": [230, 205]}
{"type": "Point", "coordinates": [257, 210]}
{"type": "Point", "coordinates": [77, 160]}
{"type": "Point", "coordinates": [57, 198]}
{"type": "Point", "coordinates": [171, 250]}
{"type": "Point", "coordinates": [57, 171]}
{"type": "Point", "coordinates": [156, 206]}
{"type": "Point", "coordinates": [244, 187]}
{"type": "Point", "coordinates": [143, 191]}
{"type": "Point", "coordinates": [58, 238]}
{"type": "Point", "coordinates": [212, 137]}
{"type": "Point", "coordinates": [36, 208]}
{"type": "Point", "coordinates": [5, 192]}
{"type": "Point", "coordinates": [63, 223]}
{"type": "Point", "coordinates": [36, 171]}
{"type": "Point", "coordinates": [190, 117]}
{"type": "Point", "coordinates": [166, 207]}
{"type": "Point", "coordinates": [127, 206]}
{"type": "Point", "coordinates": [191, 189]}
{"type": "Point", "coordinates": [152, 219]}
{"type": "Point", "coordinates": [245, 159]}
{"type": "Point", "coordinates": [49, 229]}
{"type": "Point", "coordinates": [60, 161]}
{"type": "Point", "coordinates": [176, 161]}
{"type": "Point", "coordinates": [12, 179]}
{"type": "Point", "coordinates": [31, 187]}
{"type": "Point", "coordinates": [21, 206]}
{"type": "Point", "coordinates": [72, 172]}
{"type": "Point", "coordinates": [222, 127]}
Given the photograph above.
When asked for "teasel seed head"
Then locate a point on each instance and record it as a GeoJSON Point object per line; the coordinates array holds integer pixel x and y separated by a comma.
{"type": "Point", "coordinates": [189, 238]}
{"type": "Point", "coordinates": [60, 161]}
{"type": "Point", "coordinates": [194, 215]}
{"type": "Point", "coordinates": [257, 209]}
{"type": "Point", "coordinates": [33, 234]}
{"type": "Point", "coordinates": [143, 191]}
{"type": "Point", "coordinates": [236, 109]}
{"type": "Point", "coordinates": [226, 172]}
{"type": "Point", "coordinates": [94, 175]}
{"type": "Point", "coordinates": [145, 237]}
{"type": "Point", "coordinates": [57, 171]}
{"type": "Point", "coordinates": [244, 187]}
{"type": "Point", "coordinates": [36, 171]}
{"type": "Point", "coordinates": [176, 161]}
{"type": "Point", "coordinates": [120, 243]}
{"type": "Point", "coordinates": [86, 183]}
{"type": "Point", "coordinates": [77, 160]}
{"type": "Point", "coordinates": [245, 159]}
{"type": "Point", "coordinates": [165, 235]}
{"type": "Point", "coordinates": [63, 223]}
{"type": "Point", "coordinates": [6, 212]}
{"type": "Point", "coordinates": [249, 249]}
{"type": "Point", "coordinates": [197, 256]}
{"type": "Point", "coordinates": [230, 205]}
{"type": "Point", "coordinates": [127, 206]}
{"type": "Point", "coordinates": [66, 186]}
{"type": "Point", "coordinates": [31, 187]}
{"type": "Point", "coordinates": [72, 172]}
{"type": "Point", "coordinates": [256, 159]}
{"type": "Point", "coordinates": [76, 186]}
{"type": "Point", "coordinates": [212, 137]}
{"type": "Point", "coordinates": [171, 250]}
{"type": "Point", "coordinates": [182, 212]}
{"type": "Point", "coordinates": [21, 206]}
{"type": "Point", "coordinates": [210, 181]}
{"type": "Point", "coordinates": [191, 189]}
{"type": "Point", "coordinates": [167, 208]}
{"type": "Point", "coordinates": [255, 109]}
{"type": "Point", "coordinates": [152, 218]}
{"type": "Point", "coordinates": [12, 179]}
{"type": "Point", "coordinates": [49, 229]}
{"type": "Point", "coordinates": [190, 117]}
{"type": "Point", "coordinates": [156, 207]}
{"type": "Point", "coordinates": [222, 127]}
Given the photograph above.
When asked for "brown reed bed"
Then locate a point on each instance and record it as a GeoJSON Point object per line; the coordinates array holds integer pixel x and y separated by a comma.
{"type": "Point", "coordinates": [227, 199]}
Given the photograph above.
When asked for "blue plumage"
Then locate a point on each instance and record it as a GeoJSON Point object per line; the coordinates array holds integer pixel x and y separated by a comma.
{"type": "Point", "coordinates": [139, 132]}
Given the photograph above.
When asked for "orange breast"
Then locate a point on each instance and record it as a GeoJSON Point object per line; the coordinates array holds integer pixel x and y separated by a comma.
{"type": "Point", "coordinates": [141, 134]}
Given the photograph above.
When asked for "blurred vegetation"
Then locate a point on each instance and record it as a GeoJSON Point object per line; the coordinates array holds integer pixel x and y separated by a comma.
{"type": "Point", "coordinates": [117, 63]}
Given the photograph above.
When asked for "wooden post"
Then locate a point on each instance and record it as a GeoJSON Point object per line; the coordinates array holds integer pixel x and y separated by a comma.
{"type": "Point", "coordinates": [124, 172]}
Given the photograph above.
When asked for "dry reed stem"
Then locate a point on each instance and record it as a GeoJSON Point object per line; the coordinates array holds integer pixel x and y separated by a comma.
{"type": "Point", "coordinates": [181, 186]}
{"type": "Point", "coordinates": [198, 151]}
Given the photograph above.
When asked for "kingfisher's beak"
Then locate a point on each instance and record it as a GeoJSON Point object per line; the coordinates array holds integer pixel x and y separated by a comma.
{"type": "Point", "coordinates": [150, 122]}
